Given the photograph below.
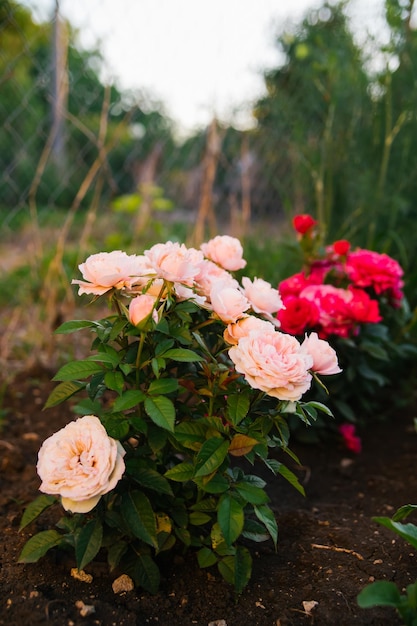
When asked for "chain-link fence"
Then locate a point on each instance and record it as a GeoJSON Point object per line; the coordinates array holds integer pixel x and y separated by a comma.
{"type": "Point", "coordinates": [68, 139]}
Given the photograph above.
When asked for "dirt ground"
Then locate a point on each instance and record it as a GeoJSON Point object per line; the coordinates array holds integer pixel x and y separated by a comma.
{"type": "Point", "coordinates": [329, 547]}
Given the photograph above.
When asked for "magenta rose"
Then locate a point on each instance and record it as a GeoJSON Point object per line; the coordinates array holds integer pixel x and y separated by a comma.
{"type": "Point", "coordinates": [297, 315]}
{"type": "Point", "coordinates": [366, 268]}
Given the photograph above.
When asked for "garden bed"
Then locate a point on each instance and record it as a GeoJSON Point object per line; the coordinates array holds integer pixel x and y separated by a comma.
{"type": "Point", "coordinates": [329, 548]}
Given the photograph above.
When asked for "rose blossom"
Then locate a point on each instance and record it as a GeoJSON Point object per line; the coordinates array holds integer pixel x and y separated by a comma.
{"type": "Point", "coordinates": [226, 251]}
{"type": "Point", "coordinates": [80, 463]}
{"type": "Point", "coordinates": [367, 268]}
{"type": "Point", "coordinates": [228, 302]}
{"type": "Point", "coordinates": [234, 332]}
{"type": "Point", "coordinates": [350, 439]}
{"type": "Point", "coordinates": [141, 307]}
{"type": "Point", "coordinates": [209, 274]}
{"type": "Point", "coordinates": [274, 363]}
{"type": "Point", "coordinates": [261, 295]}
{"type": "Point", "coordinates": [174, 262]}
{"type": "Point", "coordinates": [303, 223]}
{"type": "Point", "coordinates": [297, 315]}
{"type": "Point", "coordinates": [324, 356]}
{"type": "Point", "coordinates": [335, 314]}
{"type": "Point", "coordinates": [107, 270]}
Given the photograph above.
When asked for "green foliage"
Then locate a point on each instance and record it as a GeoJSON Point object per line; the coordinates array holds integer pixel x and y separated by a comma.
{"type": "Point", "coordinates": [167, 391]}
{"type": "Point", "coordinates": [386, 593]}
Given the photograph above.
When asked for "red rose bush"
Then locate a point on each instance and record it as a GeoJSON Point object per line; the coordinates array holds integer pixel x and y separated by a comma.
{"type": "Point", "coordinates": [189, 374]}
{"type": "Point", "coordinates": [353, 298]}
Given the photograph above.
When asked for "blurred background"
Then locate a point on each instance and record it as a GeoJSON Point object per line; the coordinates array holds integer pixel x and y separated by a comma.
{"type": "Point", "coordinates": [126, 126]}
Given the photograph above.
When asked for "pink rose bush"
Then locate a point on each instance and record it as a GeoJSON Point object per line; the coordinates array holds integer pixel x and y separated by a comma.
{"type": "Point", "coordinates": [189, 372]}
{"type": "Point", "coordinates": [352, 298]}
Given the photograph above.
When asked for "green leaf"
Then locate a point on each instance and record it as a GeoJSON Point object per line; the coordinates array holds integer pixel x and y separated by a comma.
{"type": "Point", "coordinates": [403, 512]}
{"type": "Point", "coordinates": [117, 426]}
{"type": "Point", "coordinates": [146, 573]}
{"type": "Point", "coordinates": [88, 542]}
{"type": "Point", "coordinates": [197, 518]}
{"type": "Point", "coordinates": [243, 568]}
{"type": "Point", "coordinates": [206, 557]}
{"type": "Point", "coordinates": [38, 545]}
{"type": "Point", "coordinates": [216, 484]}
{"type": "Point", "coordinates": [161, 410]}
{"type": "Point", "coordinates": [251, 493]}
{"type": "Point", "coordinates": [211, 456]}
{"type": "Point", "coordinates": [183, 355]}
{"type": "Point", "coordinates": [292, 478]}
{"type": "Point", "coordinates": [230, 517]}
{"type": "Point", "coordinates": [379, 593]}
{"type": "Point", "coordinates": [35, 508]}
{"type": "Point", "coordinates": [181, 472]}
{"type": "Point", "coordinates": [238, 407]}
{"type": "Point", "coordinates": [74, 325]}
{"type": "Point", "coordinates": [62, 392]}
{"type": "Point", "coordinates": [191, 434]}
{"type": "Point", "coordinates": [115, 551]}
{"type": "Point", "coordinates": [139, 516]}
{"type": "Point", "coordinates": [109, 357]}
{"type": "Point", "coordinates": [114, 381]}
{"type": "Point", "coordinates": [406, 531]}
{"type": "Point", "coordinates": [128, 400]}
{"type": "Point", "coordinates": [78, 369]}
{"type": "Point", "coordinates": [320, 407]}
{"type": "Point", "coordinates": [163, 386]}
{"type": "Point", "coordinates": [267, 517]}
{"type": "Point", "coordinates": [149, 478]}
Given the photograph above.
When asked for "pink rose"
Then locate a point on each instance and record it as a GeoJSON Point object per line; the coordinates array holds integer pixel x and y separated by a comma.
{"type": "Point", "coordinates": [261, 295]}
{"type": "Point", "coordinates": [80, 463]}
{"type": "Point", "coordinates": [365, 310]}
{"type": "Point", "coordinates": [108, 270]}
{"type": "Point", "coordinates": [366, 268]}
{"type": "Point", "coordinates": [333, 304]}
{"type": "Point", "coordinates": [141, 307]}
{"type": "Point", "coordinates": [228, 302]}
{"type": "Point", "coordinates": [175, 262]}
{"type": "Point", "coordinates": [226, 251]}
{"type": "Point", "coordinates": [324, 356]}
{"type": "Point", "coordinates": [245, 325]}
{"type": "Point", "coordinates": [297, 315]}
{"type": "Point", "coordinates": [274, 363]}
{"type": "Point", "coordinates": [209, 274]}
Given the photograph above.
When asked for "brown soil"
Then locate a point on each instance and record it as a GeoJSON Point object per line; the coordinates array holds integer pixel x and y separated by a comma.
{"type": "Point", "coordinates": [329, 547]}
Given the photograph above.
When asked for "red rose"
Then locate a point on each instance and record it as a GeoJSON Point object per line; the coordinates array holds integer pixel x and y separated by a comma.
{"type": "Point", "coordinates": [303, 223]}
{"type": "Point", "coordinates": [341, 247]}
{"type": "Point", "coordinates": [299, 314]}
{"type": "Point", "coordinates": [364, 309]}
{"type": "Point", "coordinates": [383, 274]}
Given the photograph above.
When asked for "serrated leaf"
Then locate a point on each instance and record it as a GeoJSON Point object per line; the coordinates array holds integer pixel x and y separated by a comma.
{"type": "Point", "coordinates": [35, 508]}
{"type": "Point", "coordinates": [114, 381]}
{"type": "Point", "coordinates": [211, 455]}
{"type": "Point", "coordinates": [62, 392]}
{"type": "Point", "coordinates": [163, 386]}
{"type": "Point", "coordinates": [230, 517]}
{"type": "Point", "coordinates": [191, 434]}
{"type": "Point", "coordinates": [88, 543]}
{"type": "Point", "coordinates": [139, 516]}
{"type": "Point", "coordinates": [78, 369]}
{"type": "Point", "coordinates": [182, 355]}
{"type": "Point", "coordinates": [181, 472]}
{"type": "Point", "coordinates": [267, 517]}
{"type": "Point", "coordinates": [117, 426]}
{"type": "Point", "coordinates": [238, 407]}
{"type": "Point", "coordinates": [74, 325]}
{"type": "Point", "coordinates": [241, 445]}
{"type": "Point", "coordinates": [161, 410]}
{"type": "Point", "coordinates": [149, 478]}
{"type": "Point", "coordinates": [38, 545]}
{"type": "Point", "coordinates": [128, 400]}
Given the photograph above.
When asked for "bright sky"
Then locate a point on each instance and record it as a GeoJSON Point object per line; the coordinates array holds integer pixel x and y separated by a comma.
{"type": "Point", "coordinates": [201, 58]}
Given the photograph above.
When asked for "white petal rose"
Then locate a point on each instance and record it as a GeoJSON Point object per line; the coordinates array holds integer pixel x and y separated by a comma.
{"type": "Point", "coordinates": [228, 302]}
{"type": "Point", "coordinates": [262, 296]}
{"type": "Point", "coordinates": [249, 323]}
{"type": "Point", "coordinates": [80, 463]}
{"type": "Point", "coordinates": [274, 363]}
{"type": "Point", "coordinates": [107, 270]}
{"type": "Point", "coordinates": [226, 251]}
{"type": "Point", "coordinates": [324, 356]}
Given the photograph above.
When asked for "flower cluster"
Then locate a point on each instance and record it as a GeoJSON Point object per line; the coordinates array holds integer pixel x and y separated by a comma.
{"type": "Point", "coordinates": [353, 298]}
{"type": "Point", "coordinates": [339, 290]}
{"type": "Point", "coordinates": [189, 373]}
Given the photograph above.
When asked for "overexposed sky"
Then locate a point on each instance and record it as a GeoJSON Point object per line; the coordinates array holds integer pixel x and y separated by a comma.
{"type": "Point", "coordinates": [200, 58]}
